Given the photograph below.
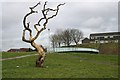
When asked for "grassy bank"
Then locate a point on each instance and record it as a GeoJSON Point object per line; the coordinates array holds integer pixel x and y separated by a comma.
{"type": "Point", "coordinates": [106, 48]}
{"type": "Point", "coordinates": [63, 65]}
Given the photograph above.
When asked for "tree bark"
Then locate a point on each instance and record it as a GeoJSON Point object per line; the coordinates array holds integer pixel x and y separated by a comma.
{"type": "Point", "coordinates": [41, 52]}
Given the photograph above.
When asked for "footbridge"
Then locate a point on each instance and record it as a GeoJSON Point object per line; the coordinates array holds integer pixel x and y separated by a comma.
{"type": "Point", "coordinates": [72, 49]}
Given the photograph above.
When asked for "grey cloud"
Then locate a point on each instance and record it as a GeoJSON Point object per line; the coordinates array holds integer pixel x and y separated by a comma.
{"type": "Point", "coordinates": [89, 17]}
{"type": "Point", "coordinates": [13, 12]}
{"type": "Point", "coordinates": [93, 22]}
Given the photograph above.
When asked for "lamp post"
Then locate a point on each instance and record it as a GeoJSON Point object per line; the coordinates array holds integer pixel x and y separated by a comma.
{"type": "Point", "coordinates": [49, 40]}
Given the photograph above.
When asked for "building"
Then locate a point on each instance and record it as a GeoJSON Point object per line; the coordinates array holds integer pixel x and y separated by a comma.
{"type": "Point", "coordinates": [13, 50]}
{"type": "Point", "coordinates": [20, 50]}
{"type": "Point", "coordinates": [111, 37]}
{"type": "Point", "coordinates": [85, 40]}
{"type": "Point", "coordinates": [25, 49]}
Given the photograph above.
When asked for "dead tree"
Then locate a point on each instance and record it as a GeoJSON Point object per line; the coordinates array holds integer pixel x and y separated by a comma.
{"type": "Point", "coordinates": [45, 18]}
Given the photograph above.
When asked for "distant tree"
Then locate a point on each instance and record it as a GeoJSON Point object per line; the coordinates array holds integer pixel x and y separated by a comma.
{"type": "Point", "coordinates": [76, 35]}
{"type": "Point", "coordinates": [66, 37]}
{"type": "Point", "coordinates": [56, 40]}
{"type": "Point", "coordinates": [53, 39]}
{"type": "Point", "coordinates": [59, 39]}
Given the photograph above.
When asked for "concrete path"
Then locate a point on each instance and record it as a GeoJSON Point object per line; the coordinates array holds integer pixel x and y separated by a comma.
{"type": "Point", "coordinates": [17, 57]}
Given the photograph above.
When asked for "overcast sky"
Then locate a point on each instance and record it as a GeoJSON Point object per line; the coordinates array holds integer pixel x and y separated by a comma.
{"type": "Point", "coordinates": [89, 17]}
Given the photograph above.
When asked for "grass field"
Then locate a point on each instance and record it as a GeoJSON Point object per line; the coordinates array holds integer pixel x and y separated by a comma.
{"type": "Point", "coordinates": [62, 65]}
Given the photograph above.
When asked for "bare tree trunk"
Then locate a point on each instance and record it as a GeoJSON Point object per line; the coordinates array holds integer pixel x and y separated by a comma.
{"type": "Point", "coordinates": [41, 52]}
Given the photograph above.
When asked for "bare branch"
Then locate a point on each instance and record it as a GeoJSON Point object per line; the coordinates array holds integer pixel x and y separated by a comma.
{"type": "Point", "coordinates": [35, 26]}
{"type": "Point", "coordinates": [24, 20]}
{"type": "Point", "coordinates": [26, 25]}
{"type": "Point", "coordinates": [31, 12]}
{"type": "Point", "coordinates": [44, 5]}
{"type": "Point", "coordinates": [44, 17]}
{"type": "Point", "coordinates": [35, 6]}
{"type": "Point", "coordinates": [37, 34]}
{"type": "Point", "coordinates": [23, 37]}
{"type": "Point", "coordinates": [56, 11]}
{"type": "Point", "coordinates": [44, 13]}
{"type": "Point", "coordinates": [48, 9]}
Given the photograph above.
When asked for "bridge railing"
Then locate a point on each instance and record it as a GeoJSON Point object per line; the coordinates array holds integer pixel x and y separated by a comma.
{"type": "Point", "coordinates": [71, 49]}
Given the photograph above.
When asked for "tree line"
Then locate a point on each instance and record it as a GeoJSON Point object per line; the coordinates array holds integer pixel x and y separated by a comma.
{"type": "Point", "coordinates": [66, 37]}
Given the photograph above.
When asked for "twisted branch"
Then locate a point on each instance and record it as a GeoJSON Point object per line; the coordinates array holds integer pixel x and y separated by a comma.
{"type": "Point", "coordinates": [26, 25]}
{"type": "Point", "coordinates": [45, 12]}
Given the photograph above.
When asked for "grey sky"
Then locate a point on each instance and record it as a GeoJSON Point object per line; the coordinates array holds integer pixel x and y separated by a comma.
{"type": "Point", "coordinates": [89, 17]}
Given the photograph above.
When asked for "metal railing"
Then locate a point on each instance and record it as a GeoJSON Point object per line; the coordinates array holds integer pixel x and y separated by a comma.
{"type": "Point", "coordinates": [72, 49]}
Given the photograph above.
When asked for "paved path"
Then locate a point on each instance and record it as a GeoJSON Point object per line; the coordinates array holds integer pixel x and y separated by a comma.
{"type": "Point", "coordinates": [17, 57]}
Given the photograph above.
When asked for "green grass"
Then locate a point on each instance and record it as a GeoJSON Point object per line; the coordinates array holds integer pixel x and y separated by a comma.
{"type": "Point", "coordinates": [104, 48]}
{"type": "Point", "coordinates": [63, 65]}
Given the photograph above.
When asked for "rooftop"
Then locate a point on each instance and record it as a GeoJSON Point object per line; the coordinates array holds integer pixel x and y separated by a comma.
{"type": "Point", "coordinates": [105, 34]}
